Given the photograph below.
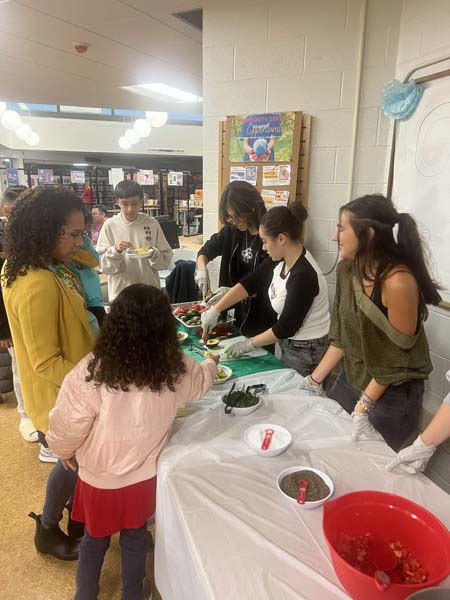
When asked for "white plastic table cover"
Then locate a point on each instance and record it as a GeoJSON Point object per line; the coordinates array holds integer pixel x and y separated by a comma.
{"type": "Point", "coordinates": [223, 529]}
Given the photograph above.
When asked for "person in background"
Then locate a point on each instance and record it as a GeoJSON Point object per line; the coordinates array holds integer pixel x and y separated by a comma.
{"type": "Point", "coordinates": [383, 287]}
{"type": "Point", "coordinates": [99, 216]}
{"type": "Point", "coordinates": [296, 288]}
{"type": "Point", "coordinates": [131, 229]}
{"type": "Point", "coordinates": [50, 330]}
{"type": "Point", "coordinates": [414, 458]}
{"type": "Point", "coordinates": [87, 196]}
{"type": "Point", "coordinates": [84, 264]}
{"type": "Point", "coordinates": [240, 246]}
{"type": "Point", "coordinates": [112, 418]}
{"type": "Point", "coordinates": [26, 427]}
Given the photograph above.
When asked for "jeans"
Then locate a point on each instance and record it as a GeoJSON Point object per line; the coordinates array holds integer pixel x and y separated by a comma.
{"type": "Point", "coordinates": [303, 355]}
{"type": "Point", "coordinates": [134, 544]}
{"type": "Point", "coordinates": [59, 493]}
{"type": "Point", "coordinates": [396, 413]}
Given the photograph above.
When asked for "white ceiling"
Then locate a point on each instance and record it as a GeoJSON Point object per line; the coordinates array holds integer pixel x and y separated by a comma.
{"type": "Point", "coordinates": [130, 42]}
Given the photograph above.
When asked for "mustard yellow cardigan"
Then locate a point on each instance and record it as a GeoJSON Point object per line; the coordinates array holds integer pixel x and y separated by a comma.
{"type": "Point", "coordinates": [51, 334]}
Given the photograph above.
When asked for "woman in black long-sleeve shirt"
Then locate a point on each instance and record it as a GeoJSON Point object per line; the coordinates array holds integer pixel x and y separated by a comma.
{"type": "Point", "coordinates": [239, 245]}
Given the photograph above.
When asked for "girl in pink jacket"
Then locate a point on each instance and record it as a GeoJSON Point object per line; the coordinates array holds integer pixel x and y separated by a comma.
{"type": "Point", "coordinates": [111, 420]}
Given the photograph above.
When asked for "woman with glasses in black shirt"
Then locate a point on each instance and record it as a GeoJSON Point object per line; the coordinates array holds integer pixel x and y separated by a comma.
{"type": "Point", "coordinates": [239, 245]}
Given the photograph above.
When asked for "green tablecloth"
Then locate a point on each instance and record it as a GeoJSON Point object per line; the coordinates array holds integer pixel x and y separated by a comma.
{"type": "Point", "coordinates": [240, 367]}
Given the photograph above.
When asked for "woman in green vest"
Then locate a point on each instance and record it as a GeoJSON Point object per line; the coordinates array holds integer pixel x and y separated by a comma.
{"type": "Point", "coordinates": [383, 287]}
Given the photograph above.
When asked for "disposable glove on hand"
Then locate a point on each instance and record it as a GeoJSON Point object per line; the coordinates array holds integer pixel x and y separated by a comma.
{"type": "Point", "coordinates": [308, 385]}
{"type": "Point", "coordinates": [239, 348]}
{"type": "Point", "coordinates": [363, 429]}
{"type": "Point", "coordinates": [209, 320]}
{"type": "Point", "coordinates": [217, 296]}
{"type": "Point", "coordinates": [201, 278]}
{"type": "Point", "coordinates": [414, 458]}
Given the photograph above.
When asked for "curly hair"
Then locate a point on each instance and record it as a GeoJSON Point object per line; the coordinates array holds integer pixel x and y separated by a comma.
{"type": "Point", "coordinates": [34, 225]}
{"type": "Point", "coordinates": [138, 343]}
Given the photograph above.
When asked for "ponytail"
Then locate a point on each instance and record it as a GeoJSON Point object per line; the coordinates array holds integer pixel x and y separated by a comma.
{"type": "Point", "coordinates": [412, 247]}
{"type": "Point", "coordinates": [384, 249]}
{"type": "Point", "coordinates": [286, 220]}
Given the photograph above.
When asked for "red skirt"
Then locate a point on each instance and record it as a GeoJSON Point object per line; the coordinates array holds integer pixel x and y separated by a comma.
{"type": "Point", "coordinates": [105, 512]}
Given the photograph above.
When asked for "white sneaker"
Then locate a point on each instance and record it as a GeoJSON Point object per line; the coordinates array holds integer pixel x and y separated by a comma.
{"type": "Point", "coordinates": [28, 430]}
{"type": "Point", "coordinates": [46, 455]}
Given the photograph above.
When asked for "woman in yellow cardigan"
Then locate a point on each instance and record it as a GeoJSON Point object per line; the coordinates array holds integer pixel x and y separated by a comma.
{"type": "Point", "coordinates": [50, 328]}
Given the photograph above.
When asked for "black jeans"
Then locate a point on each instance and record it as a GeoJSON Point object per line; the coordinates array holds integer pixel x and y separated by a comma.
{"type": "Point", "coordinates": [395, 415]}
{"type": "Point", "coordinates": [59, 492]}
{"type": "Point", "coordinates": [134, 544]}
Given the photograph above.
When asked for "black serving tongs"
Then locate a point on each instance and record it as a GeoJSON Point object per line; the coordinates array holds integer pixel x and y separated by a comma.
{"type": "Point", "coordinates": [227, 400]}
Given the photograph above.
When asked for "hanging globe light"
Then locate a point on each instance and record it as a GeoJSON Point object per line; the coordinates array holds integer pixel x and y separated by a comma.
{"type": "Point", "coordinates": [11, 120]}
{"type": "Point", "coordinates": [131, 136]}
{"type": "Point", "coordinates": [34, 139]}
{"type": "Point", "coordinates": [156, 119]}
{"type": "Point", "coordinates": [142, 127]}
{"type": "Point", "coordinates": [24, 131]}
{"type": "Point", "coordinates": [124, 143]}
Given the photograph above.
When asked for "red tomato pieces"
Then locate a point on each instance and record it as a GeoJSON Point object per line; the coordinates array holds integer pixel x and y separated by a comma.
{"type": "Point", "coordinates": [354, 549]}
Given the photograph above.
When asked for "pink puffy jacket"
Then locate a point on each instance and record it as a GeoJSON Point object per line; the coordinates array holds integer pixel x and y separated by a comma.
{"type": "Point", "coordinates": [117, 436]}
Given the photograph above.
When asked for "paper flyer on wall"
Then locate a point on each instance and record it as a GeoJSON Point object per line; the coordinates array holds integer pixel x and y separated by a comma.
{"type": "Point", "coordinates": [262, 137]}
{"type": "Point", "coordinates": [146, 177]}
{"type": "Point", "coordinates": [12, 176]}
{"type": "Point", "coordinates": [115, 176]}
{"type": "Point", "coordinates": [273, 198]}
{"type": "Point", "coordinates": [45, 176]}
{"type": "Point", "coordinates": [275, 175]}
{"type": "Point", "coordinates": [77, 177]}
{"type": "Point", "coordinates": [175, 178]}
{"type": "Point", "coordinates": [248, 174]}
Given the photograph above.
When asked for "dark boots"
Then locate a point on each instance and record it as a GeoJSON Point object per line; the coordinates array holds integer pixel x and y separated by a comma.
{"type": "Point", "coordinates": [51, 540]}
{"type": "Point", "coordinates": [75, 529]}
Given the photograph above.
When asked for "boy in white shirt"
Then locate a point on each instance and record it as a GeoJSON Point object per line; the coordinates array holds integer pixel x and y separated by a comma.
{"type": "Point", "coordinates": [131, 229]}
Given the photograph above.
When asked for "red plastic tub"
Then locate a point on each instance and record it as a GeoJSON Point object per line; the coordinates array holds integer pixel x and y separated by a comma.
{"type": "Point", "coordinates": [387, 517]}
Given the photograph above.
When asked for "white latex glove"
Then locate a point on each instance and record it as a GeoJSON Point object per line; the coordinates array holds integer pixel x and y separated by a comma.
{"type": "Point", "coordinates": [239, 348]}
{"type": "Point", "coordinates": [414, 458]}
{"type": "Point", "coordinates": [209, 319]}
{"type": "Point", "coordinates": [218, 295]}
{"type": "Point", "coordinates": [363, 429]}
{"type": "Point", "coordinates": [201, 278]}
{"type": "Point", "coordinates": [308, 385]}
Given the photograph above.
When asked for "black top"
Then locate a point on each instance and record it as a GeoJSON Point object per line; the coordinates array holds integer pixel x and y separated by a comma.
{"type": "Point", "coordinates": [256, 314]}
{"type": "Point", "coordinates": [5, 332]}
{"type": "Point", "coordinates": [302, 287]}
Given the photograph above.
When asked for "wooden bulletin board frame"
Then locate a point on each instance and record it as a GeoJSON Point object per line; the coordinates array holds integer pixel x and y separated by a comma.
{"type": "Point", "coordinates": [299, 163]}
{"type": "Point", "coordinates": [432, 77]}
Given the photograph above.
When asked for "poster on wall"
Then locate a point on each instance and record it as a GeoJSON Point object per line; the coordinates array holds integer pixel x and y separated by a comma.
{"type": "Point", "coordinates": [146, 177]}
{"type": "Point", "coordinates": [275, 175]}
{"type": "Point", "coordinates": [12, 176]}
{"type": "Point", "coordinates": [77, 177]}
{"type": "Point", "coordinates": [45, 176]}
{"type": "Point", "coordinates": [175, 178]}
{"type": "Point", "coordinates": [248, 174]}
{"type": "Point", "coordinates": [115, 176]}
{"type": "Point", "coordinates": [273, 198]}
{"type": "Point", "coordinates": [262, 138]}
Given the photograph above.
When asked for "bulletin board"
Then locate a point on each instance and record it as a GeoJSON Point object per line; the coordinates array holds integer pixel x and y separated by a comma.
{"type": "Point", "coordinates": [420, 173]}
{"type": "Point", "coordinates": [279, 173]}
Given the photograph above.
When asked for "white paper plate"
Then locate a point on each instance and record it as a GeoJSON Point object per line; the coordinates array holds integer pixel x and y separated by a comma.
{"type": "Point", "coordinates": [229, 373]}
{"type": "Point", "coordinates": [131, 252]}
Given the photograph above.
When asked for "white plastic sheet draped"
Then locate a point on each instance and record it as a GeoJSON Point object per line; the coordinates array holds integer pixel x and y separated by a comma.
{"type": "Point", "coordinates": [224, 531]}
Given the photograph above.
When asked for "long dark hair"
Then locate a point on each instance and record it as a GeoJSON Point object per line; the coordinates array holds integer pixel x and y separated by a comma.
{"type": "Point", "coordinates": [287, 220]}
{"type": "Point", "coordinates": [244, 200]}
{"type": "Point", "coordinates": [381, 250]}
{"type": "Point", "coordinates": [138, 343]}
{"type": "Point", "coordinates": [36, 220]}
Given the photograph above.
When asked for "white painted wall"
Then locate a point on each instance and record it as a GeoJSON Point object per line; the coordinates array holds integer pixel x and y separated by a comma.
{"type": "Point", "coordinates": [78, 135]}
{"type": "Point", "coordinates": [424, 36]}
{"type": "Point", "coordinates": [263, 56]}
